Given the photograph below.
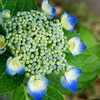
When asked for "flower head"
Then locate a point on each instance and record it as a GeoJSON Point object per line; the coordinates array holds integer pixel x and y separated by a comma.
{"type": "Point", "coordinates": [68, 21]}
{"type": "Point", "coordinates": [38, 47]}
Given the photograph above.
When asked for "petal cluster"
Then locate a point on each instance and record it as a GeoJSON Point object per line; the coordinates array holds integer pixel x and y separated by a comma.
{"type": "Point", "coordinates": [76, 46]}
{"type": "Point", "coordinates": [2, 44]}
{"type": "Point", "coordinates": [48, 8]}
{"type": "Point", "coordinates": [37, 86]}
{"type": "Point", "coordinates": [14, 65]}
{"type": "Point", "coordinates": [69, 80]}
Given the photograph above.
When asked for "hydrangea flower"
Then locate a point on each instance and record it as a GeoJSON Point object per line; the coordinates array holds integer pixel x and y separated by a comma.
{"type": "Point", "coordinates": [38, 45]}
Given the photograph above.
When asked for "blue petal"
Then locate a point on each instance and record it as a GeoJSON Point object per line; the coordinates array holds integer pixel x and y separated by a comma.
{"type": "Point", "coordinates": [73, 20]}
{"type": "Point", "coordinates": [70, 85]}
{"type": "Point", "coordinates": [71, 30]}
{"type": "Point", "coordinates": [52, 14]}
{"type": "Point", "coordinates": [37, 86]}
{"type": "Point", "coordinates": [4, 10]}
{"type": "Point", "coordinates": [72, 73]}
{"type": "Point", "coordinates": [48, 9]}
{"type": "Point", "coordinates": [53, 10]}
{"type": "Point", "coordinates": [81, 47]}
{"type": "Point", "coordinates": [37, 95]}
{"type": "Point", "coordinates": [21, 70]}
{"type": "Point", "coordinates": [68, 21]}
{"type": "Point", "coordinates": [8, 70]}
{"type": "Point", "coordinates": [76, 46]}
{"type": "Point", "coordinates": [16, 67]}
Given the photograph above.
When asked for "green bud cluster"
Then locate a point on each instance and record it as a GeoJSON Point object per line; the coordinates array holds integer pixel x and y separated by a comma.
{"type": "Point", "coordinates": [39, 42]}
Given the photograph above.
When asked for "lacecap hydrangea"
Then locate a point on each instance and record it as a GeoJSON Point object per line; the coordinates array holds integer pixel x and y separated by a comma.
{"type": "Point", "coordinates": [38, 45]}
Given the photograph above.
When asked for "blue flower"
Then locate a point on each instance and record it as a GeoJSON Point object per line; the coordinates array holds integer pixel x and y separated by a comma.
{"type": "Point", "coordinates": [6, 13]}
{"type": "Point", "coordinates": [68, 21]}
{"type": "Point", "coordinates": [69, 80]}
{"type": "Point", "coordinates": [14, 65]}
{"type": "Point", "coordinates": [37, 86]}
{"type": "Point", "coordinates": [1, 19]}
{"type": "Point", "coordinates": [76, 46]}
{"type": "Point", "coordinates": [2, 44]}
{"type": "Point", "coordinates": [49, 9]}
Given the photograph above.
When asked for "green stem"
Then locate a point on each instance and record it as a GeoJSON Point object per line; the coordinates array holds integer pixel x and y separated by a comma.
{"type": "Point", "coordinates": [25, 90]}
{"type": "Point", "coordinates": [1, 4]}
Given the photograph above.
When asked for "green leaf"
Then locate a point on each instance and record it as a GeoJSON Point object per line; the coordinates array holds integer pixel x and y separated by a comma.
{"type": "Point", "coordinates": [7, 83]}
{"type": "Point", "coordinates": [88, 62]}
{"type": "Point", "coordinates": [55, 82]}
{"type": "Point", "coordinates": [17, 5]}
{"type": "Point", "coordinates": [21, 93]}
{"type": "Point", "coordinates": [52, 94]}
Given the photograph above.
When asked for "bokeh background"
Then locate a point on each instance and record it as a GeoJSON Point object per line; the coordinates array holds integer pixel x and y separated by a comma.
{"type": "Point", "coordinates": [88, 14]}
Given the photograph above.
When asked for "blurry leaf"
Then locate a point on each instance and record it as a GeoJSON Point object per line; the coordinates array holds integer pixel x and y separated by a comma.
{"type": "Point", "coordinates": [17, 5]}
{"type": "Point", "coordinates": [7, 83]}
{"type": "Point", "coordinates": [88, 61]}
{"type": "Point", "coordinates": [52, 94]}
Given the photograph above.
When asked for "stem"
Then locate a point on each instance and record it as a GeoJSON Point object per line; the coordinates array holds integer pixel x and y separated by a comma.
{"type": "Point", "coordinates": [1, 4]}
{"type": "Point", "coordinates": [25, 90]}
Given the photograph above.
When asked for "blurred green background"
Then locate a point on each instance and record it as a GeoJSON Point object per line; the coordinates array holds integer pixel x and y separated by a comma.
{"type": "Point", "coordinates": [88, 14]}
